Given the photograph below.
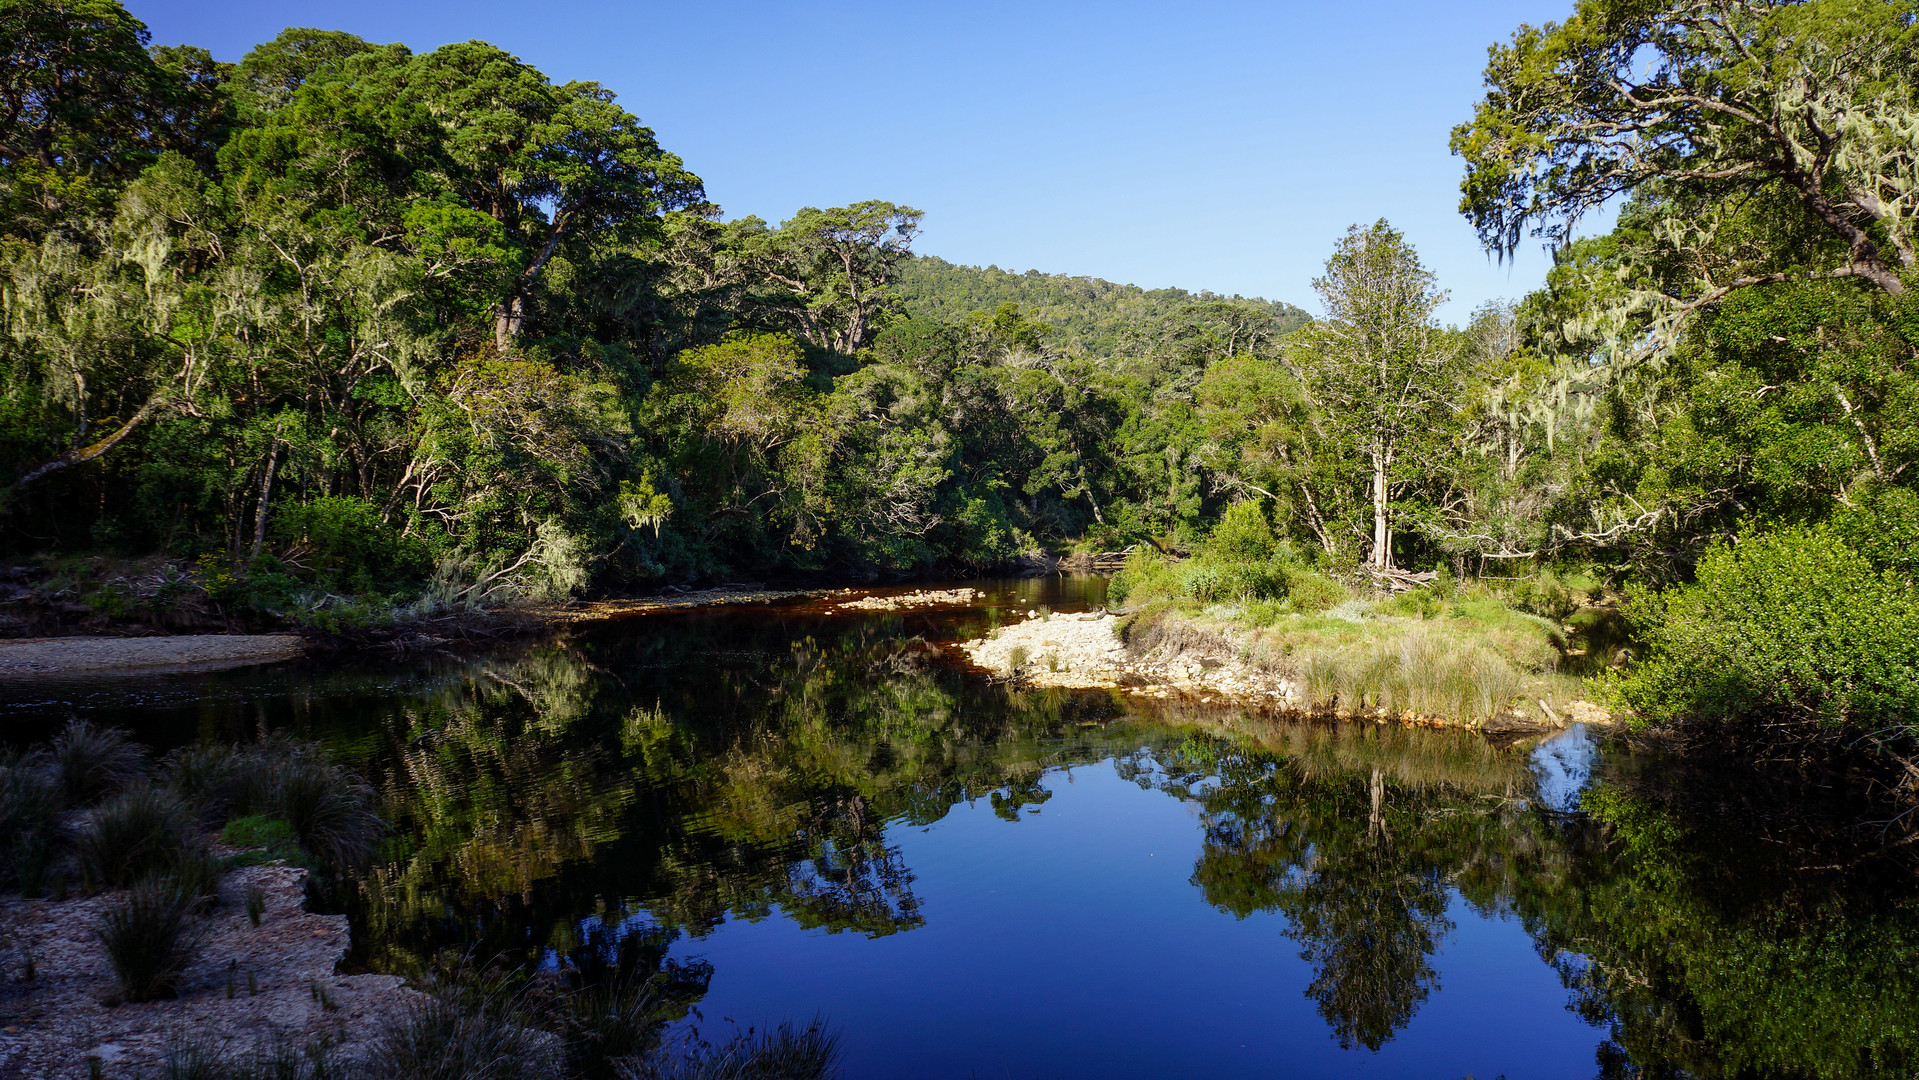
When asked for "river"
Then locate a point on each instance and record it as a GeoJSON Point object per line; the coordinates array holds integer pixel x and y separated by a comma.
{"type": "Point", "coordinates": [793, 811]}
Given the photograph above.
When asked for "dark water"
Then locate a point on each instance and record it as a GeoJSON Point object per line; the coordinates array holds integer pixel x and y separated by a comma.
{"type": "Point", "coordinates": [795, 812]}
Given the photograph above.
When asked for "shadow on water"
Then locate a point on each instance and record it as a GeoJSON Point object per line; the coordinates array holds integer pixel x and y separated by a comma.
{"type": "Point", "coordinates": [619, 795]}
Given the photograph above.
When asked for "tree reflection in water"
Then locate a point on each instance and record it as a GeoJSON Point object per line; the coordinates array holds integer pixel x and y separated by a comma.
{"type": "Point", "coordinates": [552, 805]}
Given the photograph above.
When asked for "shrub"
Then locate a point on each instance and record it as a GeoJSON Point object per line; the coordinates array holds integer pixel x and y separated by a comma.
{"type": "Point", "coordinates": [1792, 624]}
{"type": "Point", "coordinates": [1243, 534]}
{"type": "Point", "coordinates": [144, 830]}
{"type": "Point", "coordinates": [150, 939]}
{"type": "Point", "coordinates": [1550, 596]}
{"type": "Point", "coordinates": [341, 538]}
{"type": "Point", "coordinates": [1309, 594]}
{"type": "Point", "coordinates": [88, 762]}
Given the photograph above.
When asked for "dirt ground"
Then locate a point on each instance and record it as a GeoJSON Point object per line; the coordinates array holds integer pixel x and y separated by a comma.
{"type": "Point", "coordinates": [142, 655]}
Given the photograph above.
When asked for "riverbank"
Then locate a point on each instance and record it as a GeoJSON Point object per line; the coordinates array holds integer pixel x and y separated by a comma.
{"type": "Point", "coordinates": [143, 655]}
{"type": "Point", "coordinates": [270, 984]}
{"type": "Point", "coordinates": [1212, 662]}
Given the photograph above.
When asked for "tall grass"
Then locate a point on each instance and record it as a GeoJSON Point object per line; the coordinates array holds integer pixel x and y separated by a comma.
{"type": "Point", "coordinates": [611, 1021]}
{"type": "Point", "coordinates": [1418, 672]}
{"type": "Point", "coordinates": [461, 1037]}
{"type": "Point", "coordinates": [89, 762]}
{"type": "Point", "coordinates": [199, 1056]}
{"type": "Point", "coordinates": [330, 810]}
{"type": "Point", "coordinates": [29, 817]}
{"type": "Point", "coordinates": [142, 831]}
{"type": "Point", "coordinates": [784, 1053]}
{"type": "Point", "coordinates": [150, 938]}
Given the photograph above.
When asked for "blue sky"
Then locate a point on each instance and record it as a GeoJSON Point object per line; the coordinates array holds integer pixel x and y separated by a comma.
{"type": "Point", "coordinates": [1219, 146]}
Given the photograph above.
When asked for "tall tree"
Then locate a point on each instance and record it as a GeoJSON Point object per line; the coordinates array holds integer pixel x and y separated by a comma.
{"type": "Point", "coordinates": [1805, 108]}
{"type": "Point", "coordinates": [1379, 367]}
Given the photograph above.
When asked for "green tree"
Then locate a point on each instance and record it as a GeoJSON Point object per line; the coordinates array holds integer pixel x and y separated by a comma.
{"type": "Point", "coordinates": [1800, 110]}
{"type": "Point", "coordinates": [1379, 368]}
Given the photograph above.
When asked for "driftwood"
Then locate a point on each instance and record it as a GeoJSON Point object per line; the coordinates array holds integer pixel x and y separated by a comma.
{"type": "Point", "coordinates": [1400, 581]}
{"type": "Point", "coordinates": [1099, 562]}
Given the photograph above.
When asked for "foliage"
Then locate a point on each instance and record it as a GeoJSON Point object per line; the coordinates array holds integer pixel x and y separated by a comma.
{"type": "Point", "coordinates": [1807, 107]}
{"type": "Point", "coordinates": [1788, 625]}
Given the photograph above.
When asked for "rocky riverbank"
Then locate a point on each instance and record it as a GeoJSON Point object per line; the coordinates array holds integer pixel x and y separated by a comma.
{"type": "Point", "coordinates": [269, 984]}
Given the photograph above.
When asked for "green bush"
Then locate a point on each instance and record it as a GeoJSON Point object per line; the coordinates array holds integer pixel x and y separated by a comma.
{"type": "Point", "coordinates": [150, 938]}
{"type": "Point", "coordinates": [1243, 534]}
{"type": "Point", "coordinates": [1792, 624]}
{"type": "Point", "coordinates": [1550, 596]}
{"type": "Point", "coordinates": [343, 539]}
{"type": "Point", "coordinates": [1207, 578]}
{"type": "Point", "coordinates": [1309, 593]}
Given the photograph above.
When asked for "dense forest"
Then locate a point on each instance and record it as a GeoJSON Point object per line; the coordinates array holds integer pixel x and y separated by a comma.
{"type": "Point", "coordinates": [1100, 317]}
{"type": "Point", "coordinates": [343, 327]}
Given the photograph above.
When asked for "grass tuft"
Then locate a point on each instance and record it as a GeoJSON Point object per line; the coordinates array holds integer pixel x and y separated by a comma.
{"type": "Point", "coordinates": [150, 938]}
{"type": "Point", "coordinates": [449, 1037]}
{"type": "Point", "coordinates": [784, 1053]}
{"type": "Point", "coordinates": [142, 831]}
{"type": "Point", "coordinates": [330, 810]}
{"type": "Point", "coordinates": [29, 818]}
{"type": "Point", "coordinates": [89, 762]}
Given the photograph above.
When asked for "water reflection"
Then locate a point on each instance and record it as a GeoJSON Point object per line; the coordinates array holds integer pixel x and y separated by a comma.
{"type": "Point", "coordinates": [619, 797]}
{"type": "Point", "coordinates": [1562, 767]}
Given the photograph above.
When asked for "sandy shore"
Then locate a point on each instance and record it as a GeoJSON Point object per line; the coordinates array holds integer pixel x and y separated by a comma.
{"type": "Point", "coordinates": [142, 655]}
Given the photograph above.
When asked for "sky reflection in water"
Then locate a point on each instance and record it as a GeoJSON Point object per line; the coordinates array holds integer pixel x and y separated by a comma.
{"type": "Point", "coordinates": [1074, 942]}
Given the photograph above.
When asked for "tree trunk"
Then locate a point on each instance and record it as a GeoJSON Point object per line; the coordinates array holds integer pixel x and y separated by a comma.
{"type": "Point", "coordinates": [266, 492]}
{"type": "Point", "coordinates": [506, 320]}
{"type": "Point", "coordinates": [1382, 525]}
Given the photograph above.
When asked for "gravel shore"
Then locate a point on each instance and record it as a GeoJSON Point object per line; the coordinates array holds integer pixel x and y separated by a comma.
{"type": "Point", "coordinates": [143, 655]}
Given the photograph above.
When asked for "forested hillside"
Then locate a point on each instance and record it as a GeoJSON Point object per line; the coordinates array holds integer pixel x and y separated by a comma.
{"type": "Point", "coordinates": [345, 331]}
{"type": "Point", "coordinates": [1099, 316]}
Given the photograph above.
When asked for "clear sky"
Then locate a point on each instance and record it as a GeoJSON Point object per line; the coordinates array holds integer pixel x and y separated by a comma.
{"type": "Point", "coordinates": [1212, 145]}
